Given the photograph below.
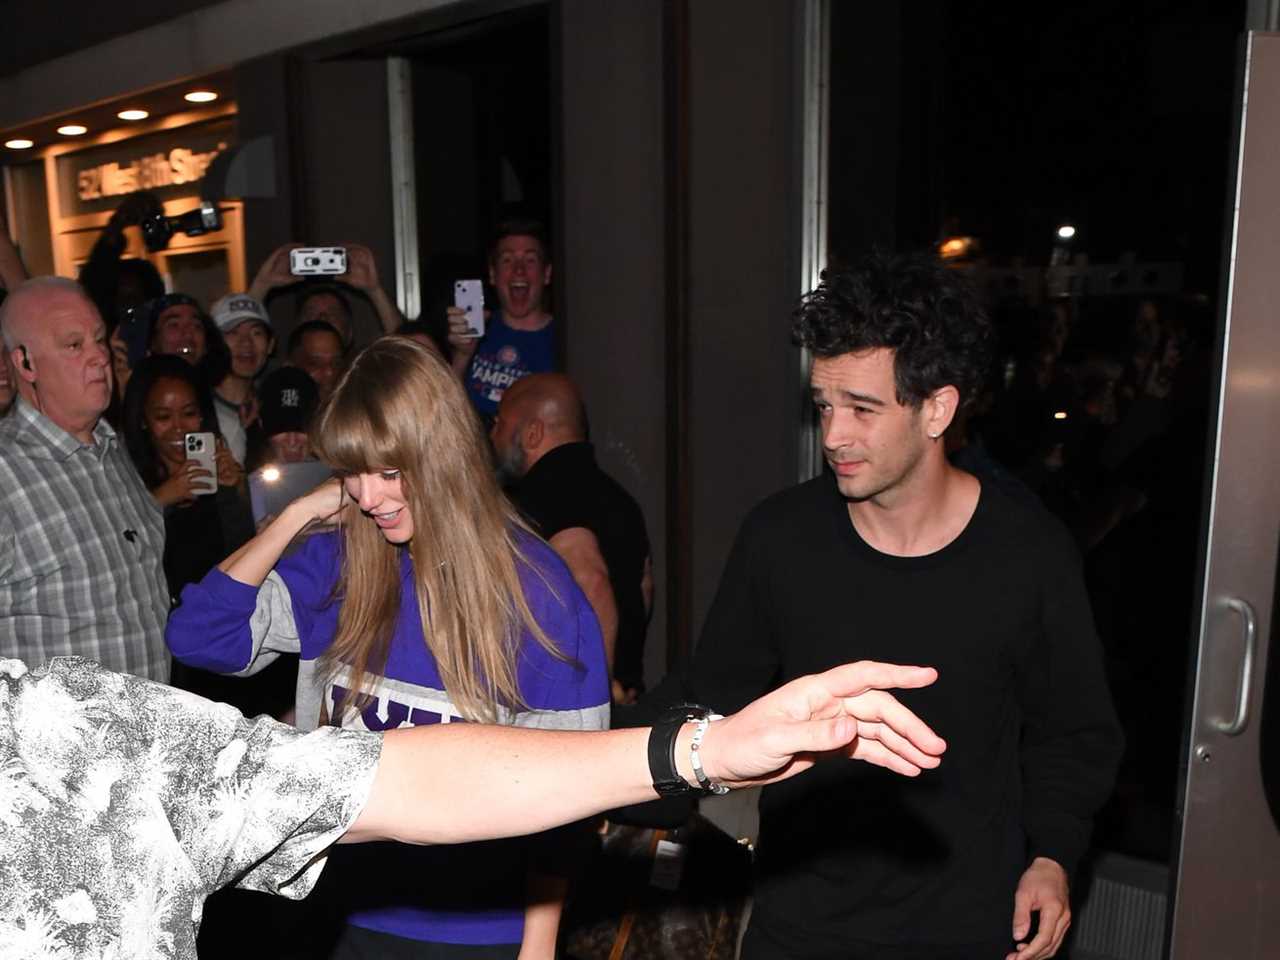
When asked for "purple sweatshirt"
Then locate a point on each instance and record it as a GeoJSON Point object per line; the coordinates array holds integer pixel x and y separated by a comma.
{"type": "Point", "coordinates": [467, 894]}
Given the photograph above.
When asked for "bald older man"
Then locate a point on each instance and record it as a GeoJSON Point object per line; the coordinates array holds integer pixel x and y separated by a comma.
{"type": "Point", "coordinates": [540, 440]}
{"type": "Point", "coordinates": [81, 539]}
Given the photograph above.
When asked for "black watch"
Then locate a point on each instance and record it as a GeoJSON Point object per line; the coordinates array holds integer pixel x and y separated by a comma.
{"type": "Point", "coordinates": [662, 750]}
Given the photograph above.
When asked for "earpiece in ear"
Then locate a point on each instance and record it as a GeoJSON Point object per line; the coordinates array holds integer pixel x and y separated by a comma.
{"type": "Point", "coordinates": [26, 360]}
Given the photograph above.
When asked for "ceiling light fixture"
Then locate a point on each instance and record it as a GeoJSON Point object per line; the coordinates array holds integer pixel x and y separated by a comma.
{"type": "Point", "coordinates": [133, 114]}
{"type": "Point", "coordinates": [19, 143]}
{"type": "Point", "coordinates": [72, 129]}
{"type": "Point", "coordinates": [200, 96]}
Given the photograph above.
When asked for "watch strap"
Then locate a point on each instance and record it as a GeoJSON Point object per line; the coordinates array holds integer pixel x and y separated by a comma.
{"type": "Point", "coordinates": [662, 751]}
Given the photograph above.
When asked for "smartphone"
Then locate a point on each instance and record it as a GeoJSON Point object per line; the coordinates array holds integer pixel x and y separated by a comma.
{"type": "Point", "coordinates": [201, 448]}
{"type": "Point", "coordinates": [468, 295]}
{"type": "Point", "coordinates": [318, 261]}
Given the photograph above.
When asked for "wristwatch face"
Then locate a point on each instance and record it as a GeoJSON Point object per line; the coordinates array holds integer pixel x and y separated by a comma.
{"type": "Point", "coordinates": [684, 712]}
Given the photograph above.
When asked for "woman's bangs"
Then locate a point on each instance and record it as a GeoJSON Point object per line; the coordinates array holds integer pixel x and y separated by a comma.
{"type": "Point", "coordinates": [352, 436]}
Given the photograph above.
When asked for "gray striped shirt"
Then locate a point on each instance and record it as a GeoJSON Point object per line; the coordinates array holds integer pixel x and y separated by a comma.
{"type": "Point", "coordinates": [81, 550]}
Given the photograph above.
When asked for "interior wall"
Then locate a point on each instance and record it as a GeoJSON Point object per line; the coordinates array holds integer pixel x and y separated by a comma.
{"type": "Point", "coordinates": [743, 269]}
{"type": "Point", "coordinates": [342, 140]}
{"type": "Point", "coordinates": [263, 109]}
{"type": "Point", "coordinates": [329, 126]}
{"type": "Point", "coordinates": [610, 280]}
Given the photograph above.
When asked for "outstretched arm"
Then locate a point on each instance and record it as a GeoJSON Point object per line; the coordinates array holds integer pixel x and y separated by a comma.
{"type": "Point", "coordinates": [362, 273]}
{"type": "Point", "coordinates": [12, 272]}
{"type": "Point", "coordinates": [506, 781]}
{"type": "Point", "coordinates": [273, 273]}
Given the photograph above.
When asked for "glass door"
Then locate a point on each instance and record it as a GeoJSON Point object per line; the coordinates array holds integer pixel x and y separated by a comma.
{"type": "Point", "coordinates": [1228, 867]}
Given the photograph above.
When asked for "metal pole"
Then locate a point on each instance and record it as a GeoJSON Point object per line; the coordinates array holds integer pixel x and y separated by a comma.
{"type": "Point", "coordinates": [815, 82]}
{"type": "Point", "coordinates": [404, 191]}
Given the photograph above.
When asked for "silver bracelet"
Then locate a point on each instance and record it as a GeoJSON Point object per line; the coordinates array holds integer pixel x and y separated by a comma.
{"type": "Point", "coordinates": [705, 782]}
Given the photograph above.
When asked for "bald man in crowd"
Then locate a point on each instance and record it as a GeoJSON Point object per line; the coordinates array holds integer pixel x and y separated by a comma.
{"type": "Point", "coordinates": [540, 441]}
{"type": "Point", "coordinates": [81, 539]}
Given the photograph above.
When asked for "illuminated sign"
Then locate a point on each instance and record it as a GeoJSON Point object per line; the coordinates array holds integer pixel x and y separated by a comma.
{"type": "Point", "coordinates": [180, 165]}
{"type": "Point", "coordinates": [168, 163]}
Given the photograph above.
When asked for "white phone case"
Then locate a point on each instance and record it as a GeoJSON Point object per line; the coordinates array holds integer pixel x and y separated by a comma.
{"type": "Point", "coordinates": [201, 447]}
{"type": "Point", "coordinates": [469, 296]}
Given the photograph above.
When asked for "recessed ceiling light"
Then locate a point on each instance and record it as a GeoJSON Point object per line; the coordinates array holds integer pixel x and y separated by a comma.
{"type": "Point", "coordinates": [200, 96]}
{"type": "Point", "coordinates": [72, 129]}
{"type": "Point", "coordinates": [19, 144]}
{"type": "Point", "coordinates": [133, 114]}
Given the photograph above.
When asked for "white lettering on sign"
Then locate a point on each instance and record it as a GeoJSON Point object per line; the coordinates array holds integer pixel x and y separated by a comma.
{"type": "Point", "coordinates": [151, 172]}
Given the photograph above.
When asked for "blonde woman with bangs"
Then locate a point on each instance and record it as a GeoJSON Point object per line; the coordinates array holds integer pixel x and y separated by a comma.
{"type": "Point", "coordinates": [427, 601]}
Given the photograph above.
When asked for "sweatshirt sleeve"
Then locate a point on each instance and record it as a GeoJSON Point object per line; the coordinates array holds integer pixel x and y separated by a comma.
{"type": "Point", "coordinates": [1072, 742]}
{"type": "Point", "coordinates": [569, 691]}
{"type": "Point", "coordinates": [227, 626]}
{"type": "Point", "coordinates": [230, 627]}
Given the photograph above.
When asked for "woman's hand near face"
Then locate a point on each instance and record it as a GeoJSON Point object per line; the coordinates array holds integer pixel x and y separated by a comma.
{"type": "Point", "coordinates": [253, 561]}
{"type": "Point", "coordinates": [323, 503]}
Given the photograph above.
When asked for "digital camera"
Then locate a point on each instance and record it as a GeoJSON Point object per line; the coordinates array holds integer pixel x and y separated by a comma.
{"type": "Point", "coordinates": [158, 230]}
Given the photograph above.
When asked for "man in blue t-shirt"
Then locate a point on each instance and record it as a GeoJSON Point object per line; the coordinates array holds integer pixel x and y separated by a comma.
{"type": "Point", "coordinates": [518, 338]}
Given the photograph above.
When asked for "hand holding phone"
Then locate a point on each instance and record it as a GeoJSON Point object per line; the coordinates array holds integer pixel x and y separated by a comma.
{"type": "Point", "coordinates": [202, 449]}
{"type": "Point", "coordinates": [468, 296]}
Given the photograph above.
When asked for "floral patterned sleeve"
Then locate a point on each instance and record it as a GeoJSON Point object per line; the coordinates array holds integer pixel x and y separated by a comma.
{"type": "Point", "coordinates": [124, 803]}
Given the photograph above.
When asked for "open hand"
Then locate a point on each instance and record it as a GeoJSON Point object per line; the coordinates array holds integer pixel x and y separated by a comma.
{"type": "Point", "coordinates": [844, 710]}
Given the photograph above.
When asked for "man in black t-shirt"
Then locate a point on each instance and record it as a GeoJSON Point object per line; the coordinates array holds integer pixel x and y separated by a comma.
{"type": "Point", "coordinates": [896, 550]}
{"type": "Point", "coordinates": [539, 439]}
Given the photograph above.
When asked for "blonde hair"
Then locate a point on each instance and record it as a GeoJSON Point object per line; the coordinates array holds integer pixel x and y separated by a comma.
{"type": "Point", "coordinates": [399, 407]}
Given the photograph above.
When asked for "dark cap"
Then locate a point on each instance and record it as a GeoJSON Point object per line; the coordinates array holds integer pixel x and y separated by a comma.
{"type": "Point", "coordinates": [287, 400]}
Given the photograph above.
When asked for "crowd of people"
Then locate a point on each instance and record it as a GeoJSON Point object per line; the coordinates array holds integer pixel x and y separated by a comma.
{"type": "Point", "coordinates": [466, 566]}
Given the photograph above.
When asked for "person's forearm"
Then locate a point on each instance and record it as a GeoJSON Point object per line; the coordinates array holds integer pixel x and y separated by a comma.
{"type": "Point", "coordinates": [506, 781]}
{"type": "Point", "coordinates": [260, 288]}
{"type": "Point", "coordinates": [580, 551]}
{"type": "Point", "coordinates": [546, 896]}
{"type": "Point", "coordinates": [509, 781]}
{"type": "Point", "coordinates": [12, 272]}
{"type": "Point", "coordinates": [600, 596]}
{"type": "Point", "coordinates": [253, 561]}
{"type": "Point", "coordinates": [389, 315]}
{"type": "Point", "coordinates": [100, 274]}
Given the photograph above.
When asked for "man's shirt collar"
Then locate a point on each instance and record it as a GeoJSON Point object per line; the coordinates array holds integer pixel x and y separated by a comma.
{"type": "Point", "coordinates": [39, 433]}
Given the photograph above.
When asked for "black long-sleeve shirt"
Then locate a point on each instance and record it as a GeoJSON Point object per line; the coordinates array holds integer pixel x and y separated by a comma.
{"type": "Point", "coordinates": [849, 852]}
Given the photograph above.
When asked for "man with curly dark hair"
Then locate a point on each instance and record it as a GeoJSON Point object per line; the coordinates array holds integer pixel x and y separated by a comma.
{"type": "Point", "coordinates": [906, 557]}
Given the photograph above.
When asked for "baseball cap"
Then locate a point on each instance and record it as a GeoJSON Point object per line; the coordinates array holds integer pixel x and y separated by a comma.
{"type": "Point", "coordinates": [235, 308]}
{"type": "Point", "coordinates": [287, 400]}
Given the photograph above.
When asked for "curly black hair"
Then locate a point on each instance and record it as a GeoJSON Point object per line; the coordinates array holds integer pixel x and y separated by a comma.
{"type": "Point", "coordinates": [137, 441]}
{"type": "Point", "coordinates": [911, 304]}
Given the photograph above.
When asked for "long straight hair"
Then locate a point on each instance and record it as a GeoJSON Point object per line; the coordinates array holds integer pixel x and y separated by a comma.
{"type": "Point", "coordinates": [400, 407]}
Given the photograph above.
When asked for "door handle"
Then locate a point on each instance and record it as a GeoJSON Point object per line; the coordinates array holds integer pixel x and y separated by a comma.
{"type": "Point", "coordinates": [1235, 726]}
